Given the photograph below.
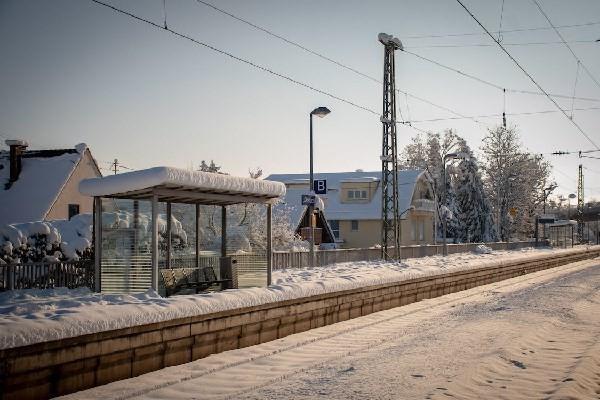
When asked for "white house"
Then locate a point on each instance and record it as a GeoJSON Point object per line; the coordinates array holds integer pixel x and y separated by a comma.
{"type": "Point", "coordinates": [353, 204]}
{"type": "Point", "coordinates": [43, 185]}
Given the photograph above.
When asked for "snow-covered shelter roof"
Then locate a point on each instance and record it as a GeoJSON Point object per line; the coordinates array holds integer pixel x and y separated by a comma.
{"type": "Point", "coordinates": [184, 186]}
{"type": "Point", "coordinates": [43, 175]}
{"type": "Point", "coordinates": [335, 209]}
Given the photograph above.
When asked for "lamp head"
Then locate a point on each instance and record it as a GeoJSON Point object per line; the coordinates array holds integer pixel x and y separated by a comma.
{"type": "Point", "coordinates": [320, 112]}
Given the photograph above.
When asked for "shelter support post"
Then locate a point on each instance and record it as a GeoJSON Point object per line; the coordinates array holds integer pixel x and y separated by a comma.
{"type": "Point", "coordinates": [269, 243]}
{"type": "Point", "coordinates": [223, 231]}
{"type": "Point", "coordinates": [169, 236]}
{"type": "Point", "coordinates": [197, 236]}
{"type": "Point", "coordinates": [97, 243]}
{"type": "Point", "coordinates": [154, 284]}
{"type": "Point", "coordinates": [537, 235]}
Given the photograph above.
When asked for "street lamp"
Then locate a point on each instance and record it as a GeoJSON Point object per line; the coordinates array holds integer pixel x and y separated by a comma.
{"type": "Point", "coordinates": [571, 196]}
{"type": "Point", "coordinates": [319, 112]}
{"type": "Point", "coordinates": [449, 156]}
{"type": "Point", "coordinates": [549, 190]}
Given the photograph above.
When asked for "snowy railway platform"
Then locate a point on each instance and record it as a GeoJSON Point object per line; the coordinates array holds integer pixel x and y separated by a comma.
{"type": "Point", "coordinates": [55, 342]}
{"type": "Point", "coordinates": [533, 336]}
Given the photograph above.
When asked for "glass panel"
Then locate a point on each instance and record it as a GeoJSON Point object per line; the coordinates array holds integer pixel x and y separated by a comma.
{"type": "Point", "coordinates": [126, 259]}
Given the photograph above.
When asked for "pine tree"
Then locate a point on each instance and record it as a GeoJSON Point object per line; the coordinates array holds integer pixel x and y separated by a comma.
{"type": "Point", "coordinates": [474, 218]}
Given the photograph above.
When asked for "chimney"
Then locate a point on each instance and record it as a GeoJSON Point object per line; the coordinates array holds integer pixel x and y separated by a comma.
{"type": "Point", "coordinates": [17, 147]}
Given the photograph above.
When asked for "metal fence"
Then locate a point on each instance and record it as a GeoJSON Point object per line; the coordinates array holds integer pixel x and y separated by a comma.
{"type": "Point", "coordinates": [45, 275]}
{"type": "Point", "coordinates": [299, 259]}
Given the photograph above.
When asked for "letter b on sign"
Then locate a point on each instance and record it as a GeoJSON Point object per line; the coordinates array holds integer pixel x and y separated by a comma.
{"type": "Point", "coordinates": [320, 186]}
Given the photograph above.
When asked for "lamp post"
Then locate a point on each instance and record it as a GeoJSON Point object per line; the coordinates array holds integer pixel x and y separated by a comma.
{"type": "Point", "coordinates": [549, 189]}
{"type": "Point", "coordinates": [319, 112]}
{"type": "Point", "coordinates": [449, 156]}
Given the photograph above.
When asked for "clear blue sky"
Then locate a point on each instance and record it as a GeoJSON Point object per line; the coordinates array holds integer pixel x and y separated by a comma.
{"type": "Point", "coordinates": [72, 71]}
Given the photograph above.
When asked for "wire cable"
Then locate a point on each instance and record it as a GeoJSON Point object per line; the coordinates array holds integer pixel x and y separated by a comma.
{"type": "Point", "coordinates": [500, 27]}
{"type": "Point", "coordinates": [242, 60]}
{"type": "Point", "coordinates": [529, 75]}
{"type": "Point", "coordinates": [565, 43]}
{"type": "Point", "coordinates": [489, 83]}
{"type": "Point", "coordinates": [541, 28]}
{"type": "Point", "coordinates": [575, 88]}
{"type": "Point", "coordinates": [315, 53]}
{"type": "Point", "coordinates": [525, 113]}
{"type": "Point", "coordinates": [433, 46]}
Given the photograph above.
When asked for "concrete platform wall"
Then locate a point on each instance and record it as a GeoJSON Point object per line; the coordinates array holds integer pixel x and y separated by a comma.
{"type": "Point", "coordinates": [65, 366]}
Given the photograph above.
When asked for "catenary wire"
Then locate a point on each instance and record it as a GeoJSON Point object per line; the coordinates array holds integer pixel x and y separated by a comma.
{"type": "Point", "coordinates": [541, 28]}
{"type": "Point", "coordinates": [565, 43]}
{"type": "Point", "coordinates": [324, 57]}
{"type": "Point", "coordinates": [547, 43]}
{"type": "Point", "coordinates": [242, 60]}
{"type": "Point", "coordinates": [529, 75]}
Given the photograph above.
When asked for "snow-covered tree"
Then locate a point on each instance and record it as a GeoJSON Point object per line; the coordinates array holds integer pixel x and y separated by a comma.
{"type": "Point", "coordinates": [474, 222]}
{"type": "Point", "coordinates": [513, 180]}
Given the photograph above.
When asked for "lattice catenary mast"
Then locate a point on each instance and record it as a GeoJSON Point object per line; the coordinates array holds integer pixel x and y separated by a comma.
{"type": "Point", "coordinates": [390, 222]}
{"type": "Point", "coordinates": [580, 203]}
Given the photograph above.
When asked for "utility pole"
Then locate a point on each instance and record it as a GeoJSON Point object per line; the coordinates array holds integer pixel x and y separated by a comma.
{"type": "Point", "coordinates": [504, 110]}
{"type": "Point", "coordinates": [390, 221]}
{"type": "Point", "coordinates": [580, 203]}
{"type": "Point", "coordinates": [115, 166]}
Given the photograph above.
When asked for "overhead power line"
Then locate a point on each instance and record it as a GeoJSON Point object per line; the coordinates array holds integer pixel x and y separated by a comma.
{"type": "Point", "coordinates": [492, 84]}
{"type": "Point", "coordinates": [499, 115]}
{"type": "Point", "coordinates": [542, 28]}
{"type": "Point", "coordinates": [579, 62]}
{"type": "Point", "coordinates": [547, 43]}
{"type": "Point", "coordinates": [529, 75]}
{"type": "Point", "coordinates": [331, 60]}
{"type": "Point", "coordinates": [230, 55]}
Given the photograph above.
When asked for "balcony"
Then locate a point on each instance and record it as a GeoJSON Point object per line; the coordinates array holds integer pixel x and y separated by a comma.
{"type": "Point", "coordinates": [424, 205]}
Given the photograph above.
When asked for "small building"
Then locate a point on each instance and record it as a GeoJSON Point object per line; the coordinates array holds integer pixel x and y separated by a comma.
{"type": "Point", "coordinates": [43, 185]}
{"type": "Point", "coordinates": [299, 218]}
{"type": "Point", "coordinates": [352, 205]}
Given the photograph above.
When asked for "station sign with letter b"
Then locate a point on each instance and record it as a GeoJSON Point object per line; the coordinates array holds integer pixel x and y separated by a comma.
{"type": "Point", "coordinates": [320, 186]}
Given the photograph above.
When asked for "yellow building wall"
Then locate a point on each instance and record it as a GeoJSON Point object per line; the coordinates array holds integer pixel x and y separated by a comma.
{"type": "Point", "coordinates": [369, 232]}
{"type": "Point", "coordinates": [70, 193]}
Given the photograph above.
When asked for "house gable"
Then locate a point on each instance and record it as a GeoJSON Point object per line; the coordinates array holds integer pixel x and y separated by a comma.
{"type": "Point", "coordinates": [69, 193]}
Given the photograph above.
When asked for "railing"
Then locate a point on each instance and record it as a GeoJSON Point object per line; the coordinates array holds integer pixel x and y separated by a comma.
{"type": "Point", "coordinates": [424, 205]}
{"type": "Point", "coordinates": [45, 275]}
{"type": "Point", "coordinates": [299, 259]}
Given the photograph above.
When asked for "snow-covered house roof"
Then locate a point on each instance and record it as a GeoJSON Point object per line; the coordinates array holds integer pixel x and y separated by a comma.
{"type": "Point", "coordinates": [183, 186]}
{"type": "Point", "coordinates": [335, 209]}
{"type": "Point", "coordinates": [43, 175]}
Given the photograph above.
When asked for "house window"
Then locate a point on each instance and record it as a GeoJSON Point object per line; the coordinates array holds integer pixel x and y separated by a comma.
{"type": "Point", "coordinates": [354, 225]}
{"type": "Point", "coordinates": [335, 228]}
{"type": "Point", "coordinates": [357, 194]}
{"type": "Point", "coordinates": [413, 230]}
{"type": "Point", "coordinates": [73, 210]}
{"type": "Point", "coordinates": [421, 230]}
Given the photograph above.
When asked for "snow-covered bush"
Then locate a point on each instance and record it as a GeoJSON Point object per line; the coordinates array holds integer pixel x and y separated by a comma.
{"type": "Point", "coordinates": [62, 240]}
{"type": "Point", "coordinates": [46, 240]}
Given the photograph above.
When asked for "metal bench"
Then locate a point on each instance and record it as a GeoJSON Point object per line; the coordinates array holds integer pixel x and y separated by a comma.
{"type": "Point", "coordinates": [176, 279]}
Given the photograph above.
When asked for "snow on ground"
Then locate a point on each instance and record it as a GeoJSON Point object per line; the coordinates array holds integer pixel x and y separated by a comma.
{"type": "Point", "coordinates": [33, 316]}
{"type": "Point", "coordinates": [534, 336]}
